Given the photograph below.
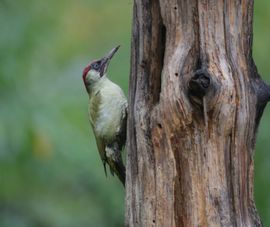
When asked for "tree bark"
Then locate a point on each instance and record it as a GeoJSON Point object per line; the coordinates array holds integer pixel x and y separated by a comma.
{"type": "Point", "coordinates": [195, 102]}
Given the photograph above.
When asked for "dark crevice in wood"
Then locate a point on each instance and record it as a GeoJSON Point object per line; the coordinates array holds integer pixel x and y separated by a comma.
{"type": "Point", "coordinates": [199, 83]}
{"type": "Point", "coordinates": [249, 29]}
{"type": "Point", "coordinates": [199, 64]}
{"type": "Point", "coordinates": [160, 61]}
{"type": "Point", "coordinates": [226, 33]}
{"type": "Point", "coordinates": [197, 33]}
{"type": "Point", "coordinates": [229, 178]}
{"type": "Point", "coordinates": [155, 57]}
{"type": "Point", "coordinates": [198, 87]}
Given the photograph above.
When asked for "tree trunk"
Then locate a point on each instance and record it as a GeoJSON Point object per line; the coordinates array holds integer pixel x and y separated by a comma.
{"type": "Point", "coordinates": [195, 102]}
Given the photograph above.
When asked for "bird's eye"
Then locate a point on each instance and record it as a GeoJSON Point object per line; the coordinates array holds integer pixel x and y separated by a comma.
{"type": "Point", "coordinates": [95, 66]}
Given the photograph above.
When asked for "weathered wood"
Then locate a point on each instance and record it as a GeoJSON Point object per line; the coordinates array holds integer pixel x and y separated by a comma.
{"type": "Point", "coordinates": [195, 103]}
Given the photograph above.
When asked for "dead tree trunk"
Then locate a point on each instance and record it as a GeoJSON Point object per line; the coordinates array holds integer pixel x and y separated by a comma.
{"type": "Point", "coordinates": [195, 102]}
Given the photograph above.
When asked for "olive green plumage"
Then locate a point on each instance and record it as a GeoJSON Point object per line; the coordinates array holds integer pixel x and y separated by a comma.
{"type": "Point", "coordinates": [107, 114]}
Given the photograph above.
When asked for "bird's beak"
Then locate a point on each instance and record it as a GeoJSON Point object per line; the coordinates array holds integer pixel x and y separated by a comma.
{"type": "Point", "coordinates": [105, 61]}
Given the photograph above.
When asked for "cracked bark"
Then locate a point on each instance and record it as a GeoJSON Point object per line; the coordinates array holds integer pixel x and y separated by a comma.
{"type": "Point", "coordinates": [195, 102]}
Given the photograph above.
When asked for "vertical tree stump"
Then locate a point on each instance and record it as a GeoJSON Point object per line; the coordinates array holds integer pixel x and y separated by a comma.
{"type": "Point", "coordinates": [195, 102]}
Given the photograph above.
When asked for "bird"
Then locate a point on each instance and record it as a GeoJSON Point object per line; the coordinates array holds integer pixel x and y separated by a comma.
{"type": "Point", "coordinates": [107, 114]}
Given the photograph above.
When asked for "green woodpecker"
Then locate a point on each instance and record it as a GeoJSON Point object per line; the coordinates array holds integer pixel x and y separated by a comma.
{"type": "Point", "coordinates": [107, 113]}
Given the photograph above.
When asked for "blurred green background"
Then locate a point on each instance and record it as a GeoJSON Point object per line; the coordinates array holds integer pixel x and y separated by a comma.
{"type": "Point", "coordinates": [50, 173]}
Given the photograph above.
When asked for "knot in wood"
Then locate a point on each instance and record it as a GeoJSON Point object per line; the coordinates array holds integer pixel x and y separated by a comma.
{"type": "Point", "coordinates": [199, 83]}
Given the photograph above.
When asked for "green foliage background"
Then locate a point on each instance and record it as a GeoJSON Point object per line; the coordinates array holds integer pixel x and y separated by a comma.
{"type": "Point", "coordinates": [50, 173]}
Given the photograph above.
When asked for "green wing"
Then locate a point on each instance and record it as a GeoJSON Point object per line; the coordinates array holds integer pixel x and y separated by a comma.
{"type": "Point", "coordinates": [101, 150]}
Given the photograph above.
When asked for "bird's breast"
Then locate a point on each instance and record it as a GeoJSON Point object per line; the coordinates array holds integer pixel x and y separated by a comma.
{"type": "Point", "coordinates": [106, 113]}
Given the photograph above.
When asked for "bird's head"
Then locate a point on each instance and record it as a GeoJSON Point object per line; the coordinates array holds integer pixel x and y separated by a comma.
{"type": "Point", "coordinates": [97, 69]}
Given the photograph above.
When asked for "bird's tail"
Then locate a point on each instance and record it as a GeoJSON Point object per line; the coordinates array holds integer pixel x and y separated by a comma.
{"type": "Point", "coordinates": [114, 159]}
{"type": "Point", "coordinates": [116, 164]}
{"type": "Point", "coordinates": [120, 170]}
